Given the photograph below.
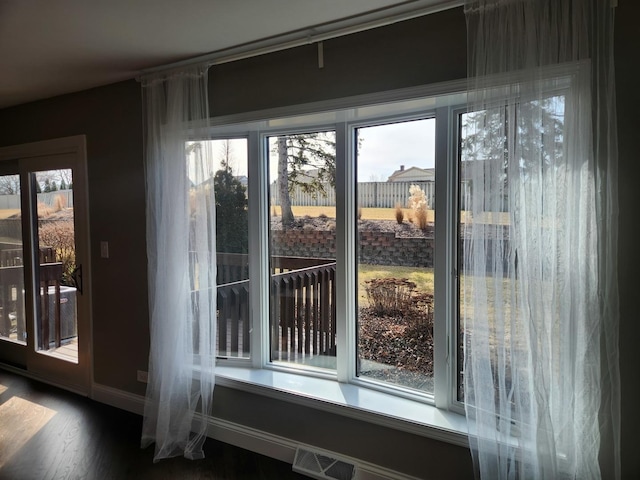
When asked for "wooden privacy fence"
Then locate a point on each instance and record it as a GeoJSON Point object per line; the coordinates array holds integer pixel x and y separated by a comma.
{"type": "Point", "coordinates": [302, 307]}
{"type": "Point", "coordinates": [12, 202]}
{"type": "Point", "coordinates": [370, 195]}
{"type": "Point", "coordinates": [390, 194]}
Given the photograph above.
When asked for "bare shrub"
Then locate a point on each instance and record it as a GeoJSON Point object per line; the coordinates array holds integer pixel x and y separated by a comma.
{"type": "Point", "coordinates": [422, 308]}
{"type": "Point", "coordinates": [59, 203]}
{"type": "Point", "coordinates": [421, 219]}
{"type": "Point", "coordinates": [359, 213]}
{"type": "Point", "coordinates": [418, 202]}
{"type": "Point", "coordinates": [399, 297]}
{"type": "Point", "coordinates": [389, 296]}
{"type": "Point", "coordinates": [59, 235]}
{"type": "Point", "coordinates": [44, 210]}
{"type": "Point", "coordinates": [399, 214]}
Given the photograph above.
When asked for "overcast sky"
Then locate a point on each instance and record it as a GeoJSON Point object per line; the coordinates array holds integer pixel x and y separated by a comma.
{"type": "Point", "coordinates": [382, 150]}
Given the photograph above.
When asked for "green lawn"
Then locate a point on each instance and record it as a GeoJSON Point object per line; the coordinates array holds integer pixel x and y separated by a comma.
{"type": "Point", "coordinates": [367, 213]}
{"type": "Point", "coordinates": [497, 218]}
{"type": "Point", "coordinates": [422, 277]}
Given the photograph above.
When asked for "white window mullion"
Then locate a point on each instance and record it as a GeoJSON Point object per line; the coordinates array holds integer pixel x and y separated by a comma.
{"type": "Point", "coordinates": [258, 249]}
{"type": "Point", "coordinates": [345, 253]}
{"type": "Point", "coordinates": [445, 264]}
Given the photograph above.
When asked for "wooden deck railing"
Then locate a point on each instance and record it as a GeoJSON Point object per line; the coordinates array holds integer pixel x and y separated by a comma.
{"type": "Point", "coordinates": [234, 326]}
{"type": "Point", "coordinates": [50, 275]}
{"type": "Point", "coordinates": [303, 301]}
{"type": "Point", "coordinates": [12, 301]}
{"type": "Point", "coordinates": [302, 306]}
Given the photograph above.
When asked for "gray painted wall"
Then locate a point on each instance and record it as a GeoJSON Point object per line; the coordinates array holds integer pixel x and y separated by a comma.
{"type": "Point", "coordinates": [416, 52]}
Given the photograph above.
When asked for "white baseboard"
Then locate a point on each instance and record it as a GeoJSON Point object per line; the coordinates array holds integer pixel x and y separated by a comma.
{"type": "Point", "coordinates": [284, 449]}
{"type": "Point", "coordinates": [118, 398]}
{"type": "Point", "coordinates": [258, 441]}
{"type": "Point", "coordinates": [71, 387]}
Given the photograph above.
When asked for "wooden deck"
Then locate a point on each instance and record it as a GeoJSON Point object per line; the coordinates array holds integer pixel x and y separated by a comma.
{"type": "Point", "coordinates": [67, 351]}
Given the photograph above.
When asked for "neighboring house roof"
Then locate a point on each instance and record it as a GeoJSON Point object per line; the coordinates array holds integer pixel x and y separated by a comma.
{"type": "Point", "coordinates": [412, 174]}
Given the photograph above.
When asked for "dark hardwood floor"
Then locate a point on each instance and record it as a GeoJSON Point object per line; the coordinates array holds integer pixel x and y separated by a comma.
{"type": "Point", "coordinates": [48, 433]}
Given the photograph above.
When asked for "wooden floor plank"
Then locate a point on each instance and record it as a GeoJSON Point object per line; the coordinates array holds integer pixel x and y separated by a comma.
{"type": "Point", "coordinates": [51, 434]}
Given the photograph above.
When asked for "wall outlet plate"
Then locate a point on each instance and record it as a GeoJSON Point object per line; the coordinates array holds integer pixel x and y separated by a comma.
{"type": "Point", "coordinates": [143, 376]}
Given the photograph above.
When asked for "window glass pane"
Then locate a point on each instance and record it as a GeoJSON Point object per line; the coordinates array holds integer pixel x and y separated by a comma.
{"type": "Point", "coordinates": [483, 157]}
{"type": "Point", "coordinates": [302, 249]}
{"type": "Point", "coordinates": [12, 319]}
{"type": "Point", "coordinates": [503, 159]}
{"type": "Point", "coordinates": [56, 322]}
{"type": "Point", "coordinates": [396, 187]}
{"type": "Point", "coordinates": [230, 182]}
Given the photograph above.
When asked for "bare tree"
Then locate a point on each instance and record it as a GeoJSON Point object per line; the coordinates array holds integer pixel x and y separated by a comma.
{"type": "Point", "coordinates": [283, 182]}
{"type": "Point", "coordinates": [9, 184]}
{"type": "Point", "coordinates": [227, 160]}
{"type": "Point", "coordinates": [305, 160]}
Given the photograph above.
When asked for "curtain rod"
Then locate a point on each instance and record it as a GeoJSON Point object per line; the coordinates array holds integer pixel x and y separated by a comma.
{"type": "Point", "coordinates": [307, 36]}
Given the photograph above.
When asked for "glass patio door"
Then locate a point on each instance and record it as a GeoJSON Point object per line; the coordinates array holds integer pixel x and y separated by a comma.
{"type": "Point", "coordinates": [13, 331]}
{"type": "Point", "coordinates": [44, 309]}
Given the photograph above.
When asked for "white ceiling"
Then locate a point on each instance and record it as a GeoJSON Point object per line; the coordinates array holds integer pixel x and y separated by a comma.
{"type": "Point", "coordinates": [49, 48]}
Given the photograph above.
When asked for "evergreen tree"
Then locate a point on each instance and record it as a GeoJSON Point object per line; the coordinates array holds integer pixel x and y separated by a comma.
{"type": "Point", "coordinates": [485, 144]}
{"type": "Point", "coordinates": [231, 212]}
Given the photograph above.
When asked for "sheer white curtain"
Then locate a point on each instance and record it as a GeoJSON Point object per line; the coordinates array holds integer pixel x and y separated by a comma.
{"type": "Point", "coordinates": [181, 262]}
{"type": "Point", "coordinates": [539, 282]}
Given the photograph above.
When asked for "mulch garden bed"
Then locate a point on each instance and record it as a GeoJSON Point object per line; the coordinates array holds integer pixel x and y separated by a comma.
{"type": "Point", "coordinates": [403, 343]}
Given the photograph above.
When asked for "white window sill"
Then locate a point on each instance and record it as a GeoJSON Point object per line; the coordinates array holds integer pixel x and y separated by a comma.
{"type": "Point", "coordinates": [350, 400]}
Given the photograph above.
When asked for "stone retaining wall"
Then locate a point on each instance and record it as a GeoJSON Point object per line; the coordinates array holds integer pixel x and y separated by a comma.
{"type": "Point", "coordinates": [375, 248]}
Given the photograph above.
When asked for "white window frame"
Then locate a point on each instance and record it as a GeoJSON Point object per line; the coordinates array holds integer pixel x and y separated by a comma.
{"type": "Point", "coordinates": [435, 416]}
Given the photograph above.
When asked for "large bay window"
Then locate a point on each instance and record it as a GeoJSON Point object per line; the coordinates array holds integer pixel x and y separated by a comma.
{"type": "Point", "coordinates": [351, 279]}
